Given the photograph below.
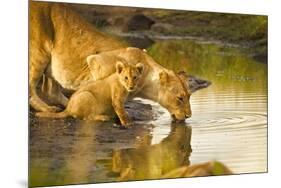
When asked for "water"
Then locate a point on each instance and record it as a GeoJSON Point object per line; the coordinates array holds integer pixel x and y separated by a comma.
{"type": "Point", "coordinates": [229, 124]}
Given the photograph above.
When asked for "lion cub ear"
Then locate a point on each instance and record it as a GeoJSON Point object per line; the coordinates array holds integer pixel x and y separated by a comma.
{"type": "Point", "coordinates": [119, 66]}
{"type": "Point", "coordinates": [91, 59]}
{"type": "Point", "coordinates": [140, 67]}
{"type": "Point", "coordinates": [163, 77]}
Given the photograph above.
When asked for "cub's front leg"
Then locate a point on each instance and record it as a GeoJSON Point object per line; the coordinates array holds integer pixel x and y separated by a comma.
{"type": "Point", "coordinates": [119, 108]}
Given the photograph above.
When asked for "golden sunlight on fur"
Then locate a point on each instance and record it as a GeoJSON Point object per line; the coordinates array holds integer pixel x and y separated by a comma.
{"type": "Point", "coordinates": [98, 100]}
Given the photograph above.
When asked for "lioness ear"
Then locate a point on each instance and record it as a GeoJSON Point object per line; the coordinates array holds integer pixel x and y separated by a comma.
{"type": "Point", "coordinates": [163, 77]}
{"type": "Point", "coordinates": [119, 67]}
{"type": "Point", "coordinates": [140, 67]}
{"type": "Point", "coordinates": [183, 75]}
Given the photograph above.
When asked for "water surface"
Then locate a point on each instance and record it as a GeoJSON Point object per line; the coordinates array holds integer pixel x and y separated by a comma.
{"type": "Point", "coordinates": [229, 124]}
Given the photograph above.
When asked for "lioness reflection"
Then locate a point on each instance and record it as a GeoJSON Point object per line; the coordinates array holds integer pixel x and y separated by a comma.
{"type": "Point", "coordinates": [152, 161]}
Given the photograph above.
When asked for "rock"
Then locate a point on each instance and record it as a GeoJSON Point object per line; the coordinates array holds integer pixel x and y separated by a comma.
{"type": "Point", "coordinates": [100, 22]}
{"type": "Point", "coordinates": [197, 83]}
{"type": "Point", "coordinates": [138, 22]}
{"type": "Point", "coordinates": [139, 111]}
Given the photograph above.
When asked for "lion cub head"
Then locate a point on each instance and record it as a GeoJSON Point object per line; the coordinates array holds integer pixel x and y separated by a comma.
{"type": "Point", "coordinates": [129, 75]}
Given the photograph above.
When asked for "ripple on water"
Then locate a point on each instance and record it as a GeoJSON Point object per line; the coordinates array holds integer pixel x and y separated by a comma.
{"type": "Point", "coordinates": [230, 127]}
{"type": "Point", "coordinates": [225, 126]}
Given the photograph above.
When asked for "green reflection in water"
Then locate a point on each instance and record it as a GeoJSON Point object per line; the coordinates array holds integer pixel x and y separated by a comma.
{"type": "Point", "coordinates": [222, 65]}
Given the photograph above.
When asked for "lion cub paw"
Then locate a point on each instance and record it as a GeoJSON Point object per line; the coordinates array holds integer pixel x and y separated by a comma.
{"type": "Point", "coordinates": [127, 124]}
{"type": "Point", "coordinates": [123, 125]}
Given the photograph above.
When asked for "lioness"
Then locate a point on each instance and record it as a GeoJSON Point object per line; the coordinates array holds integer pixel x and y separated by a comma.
{"type": "Point", "coordinates": [61, 41]}
{"type": "Point", "coordinates": [158, 84]}
{"type": "Point", "coordinates": [98, 100]}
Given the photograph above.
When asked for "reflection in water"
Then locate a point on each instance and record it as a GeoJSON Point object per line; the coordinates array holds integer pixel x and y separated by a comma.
{"type": "Point", "coordinates": [229, 119]}
{"type": "Point", "coordinates": [213, 62]}
{"type": "Point", "coordinates": [73, 152]}
{"type": "Point", "coordinates": [212, 168]}
{"type": "Point", "coordinates": [152, 161]}
{"type": "Point", "coordinates": [229, 124]}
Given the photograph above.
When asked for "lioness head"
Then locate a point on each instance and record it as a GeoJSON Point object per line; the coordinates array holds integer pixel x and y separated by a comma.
{"type": "Point", "coordinates": [174, 95]}
{"type": "Point", "coordinates": [129, 74]}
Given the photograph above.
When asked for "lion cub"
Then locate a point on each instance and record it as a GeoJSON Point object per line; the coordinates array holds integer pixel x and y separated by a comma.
{"type": "Point", "coordinates": [98, 100]}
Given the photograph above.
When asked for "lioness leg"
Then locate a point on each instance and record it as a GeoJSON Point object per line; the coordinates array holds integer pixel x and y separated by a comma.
{"type": "Point", "coordinates": [52, 90]}
{"type": "Point", "coordinates": [36, 70]}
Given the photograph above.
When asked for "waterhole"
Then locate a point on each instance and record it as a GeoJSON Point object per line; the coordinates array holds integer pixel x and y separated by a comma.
{"type": "Point", "coordinates": [229, 124]}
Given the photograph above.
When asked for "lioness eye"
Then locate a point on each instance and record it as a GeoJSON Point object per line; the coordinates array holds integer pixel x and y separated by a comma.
{"type": "Point", "coordinates": [126, 78]}
{"type": "Point", "coordinates": [135, 77]}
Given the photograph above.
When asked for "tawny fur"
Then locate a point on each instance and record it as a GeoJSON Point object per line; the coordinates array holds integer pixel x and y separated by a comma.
{"type": "Point", "coordinates": [99, 100]}
{"type": "Point", "coordinates": [60, 40]}
{"type": "Point", "coordinates": [157, 84]}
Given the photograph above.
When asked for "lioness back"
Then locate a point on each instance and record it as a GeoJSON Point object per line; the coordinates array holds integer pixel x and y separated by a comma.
{"type": "Point", "coordinates": [61, 39]}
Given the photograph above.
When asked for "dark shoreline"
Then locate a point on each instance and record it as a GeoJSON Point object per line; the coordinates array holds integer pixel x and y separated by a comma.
{"type": "Point", "coordinates": [247, 32]}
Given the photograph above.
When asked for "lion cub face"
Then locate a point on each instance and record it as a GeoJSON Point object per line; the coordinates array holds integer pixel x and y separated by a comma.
{"type": "Point", "coordinates": [129, 75]}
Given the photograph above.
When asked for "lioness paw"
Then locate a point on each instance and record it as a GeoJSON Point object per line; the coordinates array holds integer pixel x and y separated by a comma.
{"type": "Point", "coordinates": [52, 109]}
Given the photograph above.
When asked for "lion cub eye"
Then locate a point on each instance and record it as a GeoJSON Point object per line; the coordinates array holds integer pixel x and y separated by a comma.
{"type": "Point", "coordinates": [134, 77]}
{"type": "Point", "coordinates": [126, 78]}
{"type": "Point", "coordinates": [180, 99]}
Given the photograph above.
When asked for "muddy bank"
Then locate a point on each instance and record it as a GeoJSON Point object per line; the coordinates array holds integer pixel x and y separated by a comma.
{"type": "Point", "coordinates": [137, 111]}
